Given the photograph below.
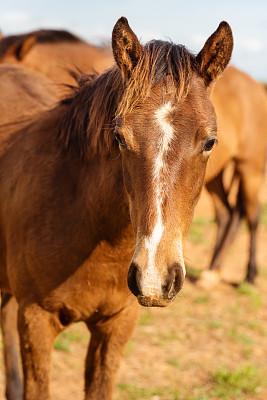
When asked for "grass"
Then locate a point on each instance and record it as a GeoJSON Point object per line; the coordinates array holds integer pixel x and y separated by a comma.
{"type": "Point", "coordinates": [196, 233]}
{"type": "Point", "coordinates": [146, 318]}
{"type": "Point", "coordinates": [263, 271]}
{"type": "Point", "coordinates": [174, 363]}
{"type": "Point", "coordinates": [236, 383]}
{"type": "Point", "coordinates": [263, 215]}
{"type": "Point", "coordinates": [224, 383]}
{"type": "Point", "coordinates": [61, 343]}
{"type": "Point", "coordinates": [246, 289]}
{"type": "Point", "coordinates": [239, 337]}
{"type": "Point", "coordinates": [133, 392]}
{"type": "Point", "coordinates": [198, 397]}
{"type": "Point", "coordinates": [129, 348]}
{"type": "Point", "coordinates": [170, 335]}
{"type": "Point", "coordinates": [257, 327]}
{"type": "Point", "coordinates": [247, 353]}
{"type": "Point", "coordinates": [202, 299]}
{"type": "Point", "coordinates": [64, 339]}
{"type": "Point", "coordinates": [193, 272]}
{"type": "Point", "coordinates": [215, 324]}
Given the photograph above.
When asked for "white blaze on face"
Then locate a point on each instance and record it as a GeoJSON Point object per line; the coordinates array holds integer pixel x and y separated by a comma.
{"type": "Point", "coordinates": [152, 283]}
{"type": "Point", "coordinates": [179, 247]}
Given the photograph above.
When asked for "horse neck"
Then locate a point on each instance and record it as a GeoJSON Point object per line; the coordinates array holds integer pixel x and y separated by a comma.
{"type": "Point", "coordinates": [105, 197]}
{"type": "Point", "coordinates": [91, 144]}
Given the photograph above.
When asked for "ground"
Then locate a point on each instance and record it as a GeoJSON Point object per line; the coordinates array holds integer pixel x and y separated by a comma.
{"type": "Point", "coordinates": [209, 344]}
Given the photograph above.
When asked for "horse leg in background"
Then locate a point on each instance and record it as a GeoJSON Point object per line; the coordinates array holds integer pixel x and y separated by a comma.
{"type": "Point", "coordinates": [108, 339]}
{"type": "Point", "coordinates": [222, 213]}
{"type": "Point", "coordinates": [227, 218]}
{"type": "Point", "coordinates": [9, 310]}
{"type": "Point", "coordinates": [37, 329]}
{"type": "Point", "coordinates": [251, 181]}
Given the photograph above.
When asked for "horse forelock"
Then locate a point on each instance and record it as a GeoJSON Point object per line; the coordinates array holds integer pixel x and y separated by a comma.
{"type": "Point", "coordinates": [159, 60]}
{"type": "Point", "coordinates": [89, 120]}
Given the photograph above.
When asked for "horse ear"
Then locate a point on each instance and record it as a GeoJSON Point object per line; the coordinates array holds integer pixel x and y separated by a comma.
{"type": "Point", "coordinates": [126, 47]}
{"type": "Point", "coordinates": [23, 47]}
{"type": "Point", "coordinates": [216, 53]}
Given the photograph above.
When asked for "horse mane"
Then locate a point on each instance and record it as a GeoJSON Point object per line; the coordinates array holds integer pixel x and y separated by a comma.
{"type": "Point", "coordinates": [159, 60]}
{"type": "Point", "coordinates": [91, 110]}
{"type": "Point", "coordinates": [41, 36]}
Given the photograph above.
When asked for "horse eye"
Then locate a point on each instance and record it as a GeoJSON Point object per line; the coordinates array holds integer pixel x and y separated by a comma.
{"type": "Point", "coordinates": [120, 140]}
{"type": "Point", "coordinates": [209, 144]}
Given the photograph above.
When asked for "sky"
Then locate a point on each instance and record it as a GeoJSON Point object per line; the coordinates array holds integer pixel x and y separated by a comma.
{"type": "Point", "coordinates": [188, 22]}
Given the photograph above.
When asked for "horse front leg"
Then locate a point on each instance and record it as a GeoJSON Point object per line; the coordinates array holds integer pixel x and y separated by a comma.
{"type": "Point", "coordinates": [108, 339]}
{"type": "Point", "coordinates": [9, 310]}
{"type": "Point", "coordinates": [37, 330]}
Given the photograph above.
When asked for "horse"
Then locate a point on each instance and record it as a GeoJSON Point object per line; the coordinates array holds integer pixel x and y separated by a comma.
{"type": "Point", "coordinates": [241, 108]}
{"type": "Point", "coordinates": [134, 140]}
{"type": "Point", "coordinates": [235, 117]}
{"type": "Point", "coordinates": [54, 53]}
{"type": "Point", "coordinates": [24, 94]}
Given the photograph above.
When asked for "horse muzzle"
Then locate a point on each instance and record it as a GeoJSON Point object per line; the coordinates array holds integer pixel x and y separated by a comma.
{"type": "Point", "coordinates": [155, 294]}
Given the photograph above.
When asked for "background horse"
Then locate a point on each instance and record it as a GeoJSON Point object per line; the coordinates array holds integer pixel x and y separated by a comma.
{"type": "Point", "coordinates": [65, 254]}
{"type": "Point", "coordinates": [24, 93]}
{"type": "Point", "coordinates": [241, 108]}
{"type": "Point", "coordinates": [54, 53]}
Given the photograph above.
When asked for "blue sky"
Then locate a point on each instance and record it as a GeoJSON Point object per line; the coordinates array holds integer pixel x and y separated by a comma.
{"type": "Point", "coordinates": [186, 22]}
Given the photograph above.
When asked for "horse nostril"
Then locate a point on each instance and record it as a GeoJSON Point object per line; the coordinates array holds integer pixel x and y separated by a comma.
{"type": "Point", "coordinates": [133, 279]}
{"type": "Point", "coordinates": [175, 280]}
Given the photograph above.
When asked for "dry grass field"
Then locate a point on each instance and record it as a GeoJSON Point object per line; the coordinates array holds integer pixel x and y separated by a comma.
{"type": "Point", "coordinates": [208, 345]}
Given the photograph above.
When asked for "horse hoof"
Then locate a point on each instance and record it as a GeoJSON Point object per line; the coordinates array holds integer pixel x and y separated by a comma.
{"type": "Point", "coordinates": [209, 279]}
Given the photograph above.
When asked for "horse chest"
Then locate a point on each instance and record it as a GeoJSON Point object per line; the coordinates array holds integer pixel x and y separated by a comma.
{"type": "Point", "coordinates": [99, 285]}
